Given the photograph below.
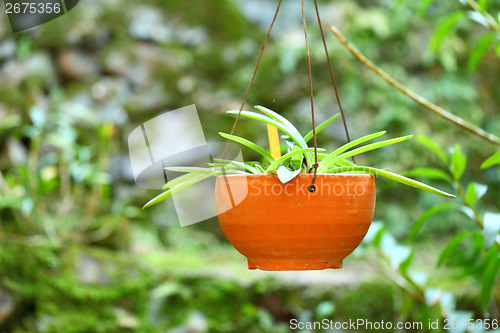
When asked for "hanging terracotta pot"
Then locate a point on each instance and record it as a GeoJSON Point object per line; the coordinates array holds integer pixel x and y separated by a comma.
{"type": "Point", "coordinates": [285, 227]}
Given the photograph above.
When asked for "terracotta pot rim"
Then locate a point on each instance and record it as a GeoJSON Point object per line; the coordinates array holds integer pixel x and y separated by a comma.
{"type": "Point", "coordinates": [303, 175]}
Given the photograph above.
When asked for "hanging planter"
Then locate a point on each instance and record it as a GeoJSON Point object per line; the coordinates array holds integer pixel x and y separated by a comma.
{"type": "Point", "coordinates": [280, 214]}
{"type": "Point", "coordinates": [285, 227]}
{"type": "Point", "coordinates": [305, 210]}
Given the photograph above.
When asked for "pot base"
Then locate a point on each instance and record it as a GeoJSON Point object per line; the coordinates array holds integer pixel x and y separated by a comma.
{"type": "Point", "coordinates": [292, 264]}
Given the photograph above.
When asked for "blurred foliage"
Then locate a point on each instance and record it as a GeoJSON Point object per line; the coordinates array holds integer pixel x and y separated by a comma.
{"type": "Point", "coordinates": [78, 255]}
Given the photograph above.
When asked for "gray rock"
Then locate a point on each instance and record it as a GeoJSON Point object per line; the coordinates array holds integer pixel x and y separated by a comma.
{"type": "Point", "coordinates": [7, 49]}
{"type": "Point", "coordinates": [90, 271]}
{"type": "Point", "coordinates": [7, 305]}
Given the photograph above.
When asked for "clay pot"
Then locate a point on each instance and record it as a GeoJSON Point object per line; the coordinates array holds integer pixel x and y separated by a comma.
{"type": "Point", "coordinates": [282, 227]}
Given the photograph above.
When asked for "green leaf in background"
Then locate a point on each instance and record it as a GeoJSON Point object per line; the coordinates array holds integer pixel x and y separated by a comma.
{"type": "Point", "coordinates": [423, 5]}
{"type": "Point", "coordinates": [374, 233]}
{"type": "Point", "coordinates": [474, 192]}
{"type": "Point", "coordinates": [445, 28]}
{"type": "Point", "coordinates": [458, 163]}
{"type": "Point", "coordinates": [397, 254]}
{"type": "Point", "coordinates": [480, 50]}
{"type": "Point", "coordinates": [445, 298]}
{"type": "Point", "coordinates": [491, 228]}
{"type": "Point", "coordinates": [249, 144]}
{"type": "Point", "coordinates": [483, 4]}
{"type": "Point", "coordinates": [450, 249]}
{"type": "Point", "coordinates": [489, 277]}
{"type": "Point", "coordinates": [491, 161]}
{"type": "Point", "coordinates": [434, 147]}
{"type": "Point", "coordinates": [322, 126]}
{"type": "Point", "coordinates": [426, 215]}
{"type": "Point", "coordinates": [431, 173]}
{"type": "Point", "coordinates": [286, 175]}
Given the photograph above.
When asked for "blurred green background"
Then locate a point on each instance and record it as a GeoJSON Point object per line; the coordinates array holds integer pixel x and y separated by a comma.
{"type": "Point", "coordinates": [77, 252]}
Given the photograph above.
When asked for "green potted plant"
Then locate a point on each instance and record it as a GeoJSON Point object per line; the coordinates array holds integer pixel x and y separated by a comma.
{"type": "Point", "coordinates": [291, 218]}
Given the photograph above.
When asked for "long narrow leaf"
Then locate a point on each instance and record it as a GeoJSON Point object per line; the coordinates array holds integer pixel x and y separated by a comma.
{"type": "Point", "coordinates": [272, 168]}
{"type": "Point", "coordinates": [322, 126]}
{"type": "Point", "coordinates": [450, 248]}
{"type": "Point", "coordinates": [396, 177]}
{"type": "Point", "coordinates": [426, 215]}
{"type": "Point", "coordinates": [276, 116]}
{"type": "Point", "coordinates": [245, 166]}
{"type": "Point", "coordinates": [299, 140]}
{"type": "Point", "coordinates": [434, 147]}
{"type": "Point", "coordinates": [431, 173]}
{"type": "Point", "coordinates": [363, 149]}
{"type": "Point", "coordinates": [197, 170]}
{"type": "Point", "coordinates": [173, 190]}
{"type": "Point", "coordinates": [491, 161]}
{"type": "Point", "coordinates": [348, 146]}
{"type": "Point", "coordinates": [176, 181]}
{"type": "Point", "coordinates": [249, 144]}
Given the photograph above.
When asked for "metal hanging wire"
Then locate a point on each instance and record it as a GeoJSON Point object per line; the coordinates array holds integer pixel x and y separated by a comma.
{"type": "Point", "coordinates": [315, 166]}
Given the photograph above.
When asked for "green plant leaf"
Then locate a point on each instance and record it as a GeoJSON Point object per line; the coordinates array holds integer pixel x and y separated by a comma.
{"type": "Point", "coordinates": [434, 147]}
{"type": "Point", "coordinates": [458, 163]}
{"type": "Point", "coordinates": [491, 161]}
{"type": "Point", "coordinates": [374, 234]}
{"type": "Point", "coordinates": [426, 215]}
{"type": "Point", "coordinates": [431, 173]}
{"type": "Point", "coordinates": [491, 228]}
{"type": "Point", "coordinates": [328, 163]}
{"type": "Point", "coordinates": [249, 144]}
{"type": "Point", "coordinates": [276, 116]}
{"type": "Point", "coordinates": [423, 5]}
{"type": "Point", "coordinates": [322, 126]}
{"type": "Point", "coordinates": [396, 177]}
{"type": "Point", "coordinates": [450, 248]}
{"type": "Point", "coordinates": [176, 181]}
{"type": "Point", "coordinates": [172, 190]}
{"type": "Point", "coordinates": [241, 165]}
{"type": "Point", "coordinates": [261, 169]}
{"type": "Point", "coordinates": [445, 27]}
{"type": "Point", "coordinates": [483, 4]}
{"type": "Point", "coordinates": [298, 139]}
{"type": "Point", "coordinates": [347, 146]}
{"type": "Point", "coordinates": [265, 119]}
{"type": "Point", "coordinates": [296, 160]}
{"type": "Point", "coordinates": [273, 166]}
{"type": "Point", "coordinates": [197, 170]}
{"type": "Point", "coordinates": [474, 192]}
{"type": "Point", "coordinates": [286, 175]}
{"type": "Point", "coordinates": [480, 50]}
{"type": "Point", "coordinates": [489, 277]}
